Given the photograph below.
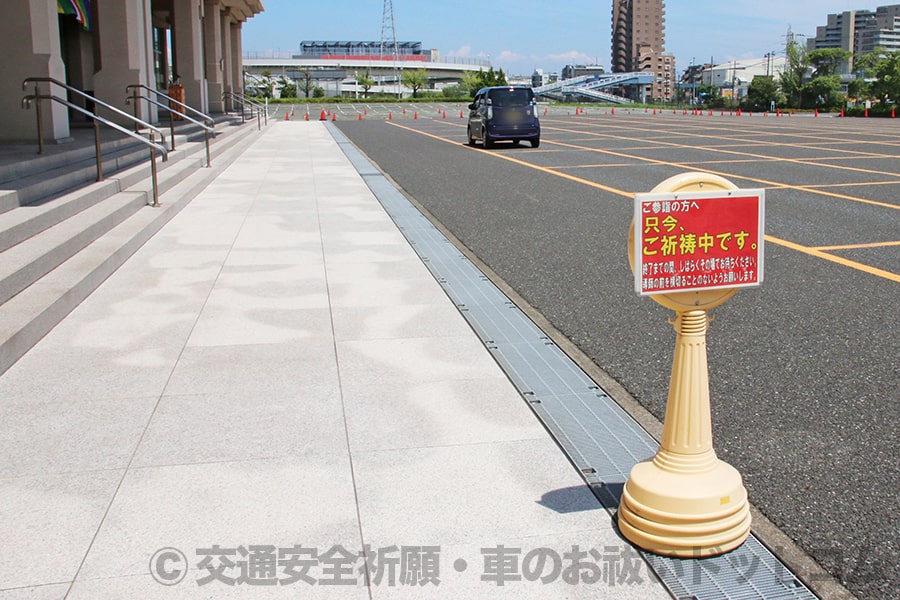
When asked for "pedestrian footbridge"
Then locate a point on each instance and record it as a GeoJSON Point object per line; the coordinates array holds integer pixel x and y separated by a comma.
{"type": "Point", "coordinates": [591, 86]}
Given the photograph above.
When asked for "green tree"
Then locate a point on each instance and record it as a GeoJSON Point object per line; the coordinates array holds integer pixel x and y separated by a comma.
{"type": "Point", "coordinates": [824, 91]}
{"type": "Point", "coordinates": [884, 68]}
{"type": "Point", "coordinates": [455, 92]}
{"type": "Point", "coordinates": [794, 72]}
{"type": "Point", "coordinates": [469, 83]}
{"type": "Point", "coordinates": [289, 90]}
{"type": "Point", "coordinates": [305, 82]}
{"type": "Point", "coordinates": [763, 90]}
{"type": "Point", "coordinates": [827, 61]}
{"type": "Point", "coordinates": [483, 78]}
{"type": "Point", "coordinates": [365, 81]}
{"type": "Point", "coordinates": [858, 88]}
{"type": "Point", "coordinates": [415, 79]}
{"type": "Point", "coordinates": [711, 96]}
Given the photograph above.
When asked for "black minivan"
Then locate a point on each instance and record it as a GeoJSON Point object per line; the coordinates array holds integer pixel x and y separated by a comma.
{"type": "Point", "coordinates": [504, 113]}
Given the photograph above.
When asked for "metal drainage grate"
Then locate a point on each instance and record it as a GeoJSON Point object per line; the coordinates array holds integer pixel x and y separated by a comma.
{"type": "Point", "coordinates": [600, 438]}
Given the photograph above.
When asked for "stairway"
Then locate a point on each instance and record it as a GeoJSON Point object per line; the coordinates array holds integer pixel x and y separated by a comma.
{"type": "Point", "coordinates": [62, 233]}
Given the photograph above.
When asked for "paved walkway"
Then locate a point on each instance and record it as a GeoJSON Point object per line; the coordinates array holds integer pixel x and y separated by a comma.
{"type": "Point", "coordinates": [271, 385]}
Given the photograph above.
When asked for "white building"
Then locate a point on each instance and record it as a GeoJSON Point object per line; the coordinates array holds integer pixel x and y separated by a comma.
{"type": "Point", "coordinates": [734, 77]}
{"type": "Point", "coordinates": [334, 67]}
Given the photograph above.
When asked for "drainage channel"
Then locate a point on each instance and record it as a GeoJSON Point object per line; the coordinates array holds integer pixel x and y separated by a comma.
{"type": "Point", "coordinates": [599, 437]}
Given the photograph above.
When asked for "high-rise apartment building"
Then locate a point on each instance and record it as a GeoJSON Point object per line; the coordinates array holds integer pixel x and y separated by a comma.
{"type": "Point", "coordinates": [638, 44]}
{"type": "Point", "coordinates": [859, 32]}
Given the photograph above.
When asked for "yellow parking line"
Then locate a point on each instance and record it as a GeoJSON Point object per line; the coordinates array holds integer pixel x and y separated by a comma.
{"type": "Point", "coordinates": [765, 182]}
{"type": "Point", "coordinates": [818, 253]}
{"type": "Point", "coordinates": [739, 153]}
{"type": "Point", "coordinates": [835, 259]}
{"type": "Point", "coordinates": [526, 164]}
{"type": "Point", "coordinates": [857, 246]}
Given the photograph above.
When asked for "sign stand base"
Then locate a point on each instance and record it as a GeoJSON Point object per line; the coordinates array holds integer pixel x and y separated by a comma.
{"type": "Point", "coordinates": [685, 502]}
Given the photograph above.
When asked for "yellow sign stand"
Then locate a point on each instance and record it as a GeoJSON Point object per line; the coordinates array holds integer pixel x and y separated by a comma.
{"type": "Point", "coordinates": [685, 502]}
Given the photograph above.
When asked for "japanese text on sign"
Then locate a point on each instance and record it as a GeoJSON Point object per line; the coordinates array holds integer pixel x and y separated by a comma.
{"type": "Point", "coordinates": [698, 240]}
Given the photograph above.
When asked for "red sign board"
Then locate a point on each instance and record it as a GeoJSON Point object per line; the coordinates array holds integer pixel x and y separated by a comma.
{"type": "Point", "coordinates": [695, 241]}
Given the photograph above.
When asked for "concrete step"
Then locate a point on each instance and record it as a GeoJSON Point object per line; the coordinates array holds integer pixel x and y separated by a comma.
{"type": "Point", "coordinates": [59, 156]}
{"type": "Point", "coordinates": [30, 260]}
{"type": "Point", "coordinates": [18, 225]}
{"type": "Point", "coordinates": [41, 181]}
{"type": "Point", "coordinates": [119, 226]}
{"type": "Point", "coordinates": [35, 177]}
{"type": "Point", "coordinates": [9, 200]}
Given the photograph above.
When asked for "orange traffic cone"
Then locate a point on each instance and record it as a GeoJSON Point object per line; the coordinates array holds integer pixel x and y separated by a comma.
{"type": "Point", "coordinates": [359, 117]}
{"type": "Point", "coordinates": [323, 116]}
{"type": "Point", "coordinates": [867, 113]}
{"type": "Point", "coordinates": [445, 114]}
{"type": "Point", "coordinates": [415, 116]}
{"type": "Point", "coordinates": [334, 116]}
{"type": "Point", "coordinates": [460, 114]}
{"type": "Point", "coordinates": [892, 114]}
{"type": "Point", "coordinates": [307, 115]}
{"type": "Point", "coordinates": [390, 116]}
{"type": "Point", "coordinates": [817, 112]}
{"type": "Point", "coordinates": [287, 116]}
{"type": "Point", "coordinates": [842, 113]}
{"type": "Point", "coordinates": [545, 112]}
{"type": "Point", "coordinates": [613, 111]}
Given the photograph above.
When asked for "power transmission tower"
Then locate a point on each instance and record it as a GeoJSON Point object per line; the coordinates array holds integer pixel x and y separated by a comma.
{"type": "Point", "coordinates": [388, 30]}
{"type": "Point", "coordinates": [389, 39]}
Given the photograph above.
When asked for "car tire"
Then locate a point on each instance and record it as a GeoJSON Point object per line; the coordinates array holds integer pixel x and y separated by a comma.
{"type": "Point", "coordinates": [486, 139]}
{"type": "Point", "coordinates": [535, 142]}
{"type": "Point", "coordinates": [469, 136]}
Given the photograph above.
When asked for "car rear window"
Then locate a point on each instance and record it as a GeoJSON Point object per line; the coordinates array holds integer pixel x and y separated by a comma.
{"type": "Point", "coordinates": [511, 97]}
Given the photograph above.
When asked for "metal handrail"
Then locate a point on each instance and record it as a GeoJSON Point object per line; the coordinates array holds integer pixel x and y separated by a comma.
{"type": "Point", "coordinates": [260, 107]}
{"type": "Point", "coordinates": [206, 129]}
{"type": "Point", "coordinates": [154, 147]}
{"type": "Point", "coordinates": [37, 95]}
{"type": "Point", "coordinates": [237, 99]}
{"type": "Point", "coordinates": [171, 101]}
{"type": "Point", "coordinates": [244, 102]}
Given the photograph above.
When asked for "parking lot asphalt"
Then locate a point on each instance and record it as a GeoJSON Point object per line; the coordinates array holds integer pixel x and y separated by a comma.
{"type": "Point", "coordinates": [803, 370]}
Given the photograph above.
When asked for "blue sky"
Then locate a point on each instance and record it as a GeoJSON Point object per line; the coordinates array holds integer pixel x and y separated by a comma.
{"type": "Point", "coordinates": [522, 35]}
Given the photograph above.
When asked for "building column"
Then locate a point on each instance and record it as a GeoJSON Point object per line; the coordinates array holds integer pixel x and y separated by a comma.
{"type": "Point", "coordinates": [126, 55]}
{"type": "Point", "coordinates": [212, 50]}
{"type": "Point", "coordinates": [29, 36]}
{"type": "Point", "coordinates": [228, 60]}
{"type": "Point", "coordinates": [187, 30]}
{"type": "Point", "coordinates": [237, 61]}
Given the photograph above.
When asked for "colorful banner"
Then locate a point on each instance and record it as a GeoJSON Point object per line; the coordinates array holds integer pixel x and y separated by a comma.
{"type": "Point", "coordinates": [80, 8]}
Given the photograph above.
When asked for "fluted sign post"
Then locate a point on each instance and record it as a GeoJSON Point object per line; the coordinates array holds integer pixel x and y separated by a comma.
{"type": "Point", "coordinates": [695, 240]}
